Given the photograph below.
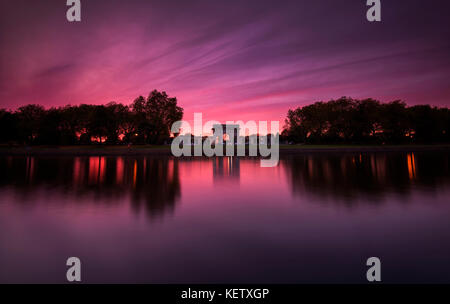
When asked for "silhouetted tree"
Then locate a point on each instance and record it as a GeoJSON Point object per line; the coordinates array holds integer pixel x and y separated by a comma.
{"type": "Point", "coordinates": [29, 120]}
{"type": "Point", "coordinates": [155, 116]}
{"type": "Point", "coordinates": [394, 122]}
{"type": "Point", "coordinates": [8, 126]}
{"type": "Point", "coordinates": [364, 119]}
{"type": "Point", "coordinates": [348, 120]}
{"type": "Point", "coordinates": [49, 131]}
{"type": "Point", "coordinates": [148, 120]}
{"type": "Point", "coordinates": [429, 124]}
{"type": "Point", "coordinates": [145, 121]}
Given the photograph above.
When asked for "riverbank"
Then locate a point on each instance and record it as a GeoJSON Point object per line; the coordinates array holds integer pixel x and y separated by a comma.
{"type": "Point", "coordinates": [165, 150]}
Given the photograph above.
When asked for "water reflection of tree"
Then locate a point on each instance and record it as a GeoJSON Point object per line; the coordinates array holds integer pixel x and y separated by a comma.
{"type": "Point", "coordinates": [152, 183]}
{"type": "Point", "coordinates": [347, 177]}
{"type": "Point", "coordinates": [226, 169]}
{"type": "Point", "coordinates": [156, 185]}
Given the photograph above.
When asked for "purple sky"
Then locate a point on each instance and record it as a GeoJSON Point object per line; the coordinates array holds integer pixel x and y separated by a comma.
{"type": "Point", "coordinates": [229, 59]}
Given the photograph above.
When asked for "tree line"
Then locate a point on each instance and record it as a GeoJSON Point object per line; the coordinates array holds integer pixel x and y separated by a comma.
{"type": "Point", "coordinates": [145, 121]}
{"type": "Point", "coordinates": [348, 120]}
{"type": "Point", "coordinates": [148, 121]}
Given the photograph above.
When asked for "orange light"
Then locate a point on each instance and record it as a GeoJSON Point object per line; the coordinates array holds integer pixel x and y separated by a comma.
{"type": "Point", "coordinates": [411, 160]}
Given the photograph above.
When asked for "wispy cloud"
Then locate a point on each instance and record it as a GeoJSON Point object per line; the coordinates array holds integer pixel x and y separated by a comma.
{"type": "Point", "coordinates": [224, 58]}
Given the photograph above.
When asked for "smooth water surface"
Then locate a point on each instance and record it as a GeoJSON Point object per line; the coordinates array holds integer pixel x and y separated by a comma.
{"type": "Point", "coordinates": [314, 218]}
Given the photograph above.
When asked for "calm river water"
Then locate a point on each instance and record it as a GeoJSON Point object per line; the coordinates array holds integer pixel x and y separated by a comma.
{"type": "Point", "coordinates": [312, 219]}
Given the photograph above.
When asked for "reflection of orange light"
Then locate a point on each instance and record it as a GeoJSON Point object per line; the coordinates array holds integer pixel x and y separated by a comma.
{"type": "Point", "coordinates": [93, 169]}
{"type": "Point", "coordinates": [411, 159]}
{"type": "Point", "coordinates": [134, 173]}
{"type": "Point", "coordinates": [97, 168]}
{"type": "Point", "coordinates": [77, 171]}
{"type": "Point", "coordinates": [119, 170]}
{"type": "Point", "coordinates": [226, 169]}
{"type": "Point", "coordinates": [170, 169]}
{"type": "Point", "coordinates": [102, 169]}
